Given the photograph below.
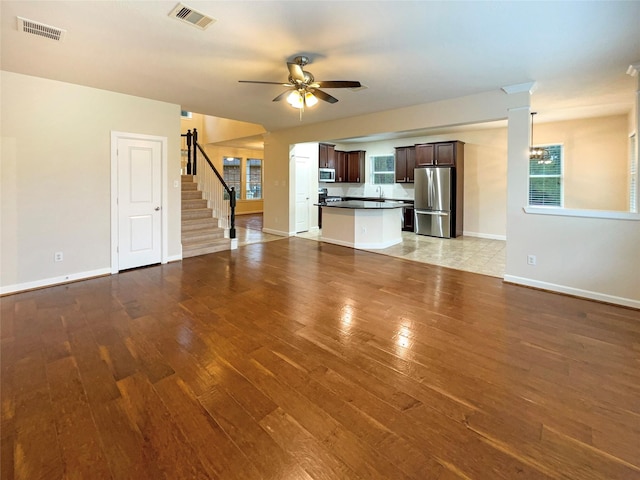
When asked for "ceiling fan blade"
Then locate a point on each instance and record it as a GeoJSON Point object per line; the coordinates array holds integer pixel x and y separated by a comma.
{"type": "Point", "coordinates": [281, 96]}
{"type": "Point", "coordinates": [339, 84]}
{"type": "Point", "coordinates": [324, 96]}
{"type": "Point", "coordinates": [266, 83]}
{"type": "Point", "coordinates": [296, 72]}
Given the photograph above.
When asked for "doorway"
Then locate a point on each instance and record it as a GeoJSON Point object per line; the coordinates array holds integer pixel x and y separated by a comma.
{"type": "Point", "coordinates": [138, 200]}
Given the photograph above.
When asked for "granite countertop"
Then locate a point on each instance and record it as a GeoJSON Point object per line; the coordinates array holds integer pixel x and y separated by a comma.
{"type": "Point", "coordinates": [383, 199]}
{"type": "Point", "coordinates": [363, 205]}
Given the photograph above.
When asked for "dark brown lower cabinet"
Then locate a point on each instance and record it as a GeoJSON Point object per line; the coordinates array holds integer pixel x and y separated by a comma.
{"type": "Point", "coordinates": [408, 220]}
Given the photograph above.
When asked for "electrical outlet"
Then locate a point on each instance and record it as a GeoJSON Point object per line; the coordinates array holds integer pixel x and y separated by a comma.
{"type": "Point", "coordinates": [58, 257]}
{"type": "Point", "coordinates": [531, 259]}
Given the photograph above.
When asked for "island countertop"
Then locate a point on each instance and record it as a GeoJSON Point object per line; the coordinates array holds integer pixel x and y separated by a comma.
{"type": "Point", "coordinates": [364, 205]}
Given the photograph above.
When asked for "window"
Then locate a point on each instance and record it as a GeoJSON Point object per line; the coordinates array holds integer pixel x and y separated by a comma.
{"type": "Point", "coordinates": [185, 114]}
{"type": "Point", "coordinates": [545, 178]}
{"type": "Point", "coordinates": [254, 179]}
{"type": "Point", "coordinates": [384, 169]}
{"type": "Point", "coordinates": [244, 175]}
{"type": "Point", "coordinates": [231, 173]}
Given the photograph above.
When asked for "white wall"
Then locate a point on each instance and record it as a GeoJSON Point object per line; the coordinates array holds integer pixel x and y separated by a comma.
{"type": "Point", "coordinates": [55, 176]}
{"type": "Point", "coordinates": [596, 153]}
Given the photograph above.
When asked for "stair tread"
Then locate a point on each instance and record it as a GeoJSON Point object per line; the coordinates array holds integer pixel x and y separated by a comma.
{"type": "Point", "coordinates": [200, 231]}
{"type": "Point", "coordinates": [201, 236]}
{"type": "Point", "coordinates": [205, 227]}
{"type": "Point", "coordinates": [196, 246]}
{"type": "Point", "coordinates": [203, 209]}
{"type": "Point", "coordinates": [192, 221]}
{"type": "Point", "coordinates": [197, 213]}
{"type": "Point", "coordinates": [196, 251]}
{"type": "Point", "coordinates": [205, 243]}
{"type": "Point", "coordinates": [193, 204]}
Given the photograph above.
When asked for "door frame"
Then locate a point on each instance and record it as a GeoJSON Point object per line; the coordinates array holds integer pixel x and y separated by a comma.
{"type": "Point", "coordinates": [164, 235]}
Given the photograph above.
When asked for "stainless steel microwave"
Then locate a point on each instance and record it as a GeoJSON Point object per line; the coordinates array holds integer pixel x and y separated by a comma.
{"type": "Point", "coordinates": [327, 174]}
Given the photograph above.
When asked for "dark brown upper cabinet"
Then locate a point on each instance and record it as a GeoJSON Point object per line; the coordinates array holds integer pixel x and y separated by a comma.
{"type": "Point", "coordinates": [326, 156]}
{"type": "Point", "coordinates": [405, 163]}
{"type": "Point", "coordinates": [439, 154]}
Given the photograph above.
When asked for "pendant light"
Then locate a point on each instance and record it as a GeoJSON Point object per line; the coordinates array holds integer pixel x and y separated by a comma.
{"type": "Point", "coordinates": [535, 153]}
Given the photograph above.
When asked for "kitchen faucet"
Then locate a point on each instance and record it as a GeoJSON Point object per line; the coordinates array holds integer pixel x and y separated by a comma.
{"type": "Point", "coordinates": [380, 192]}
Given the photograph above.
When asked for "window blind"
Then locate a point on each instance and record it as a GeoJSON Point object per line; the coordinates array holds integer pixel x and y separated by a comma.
{"type": "Point", "coordinates": [545, 178]}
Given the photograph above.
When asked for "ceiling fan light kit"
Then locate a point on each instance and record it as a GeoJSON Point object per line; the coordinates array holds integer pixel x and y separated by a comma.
{"type": "Point", "coordinates": [301, 99]}
{"type": "Point", "coordinates": [304, 91]}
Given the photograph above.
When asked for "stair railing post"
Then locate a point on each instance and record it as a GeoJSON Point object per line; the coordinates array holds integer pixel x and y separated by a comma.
{"type": "Point", "coordinates": [232, 204]}
{"type": "Point", "coordinates": [195, 151]}
{"type": "Point", "coordinates": [189, 136]}
{"type": "Point", "coordinates": [231, 191]}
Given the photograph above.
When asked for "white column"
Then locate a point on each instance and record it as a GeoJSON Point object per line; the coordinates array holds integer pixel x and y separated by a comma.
{"type": "Point", "coordinates": [518, 141]}
{"type": "Point", "coordinates": [634, 71]}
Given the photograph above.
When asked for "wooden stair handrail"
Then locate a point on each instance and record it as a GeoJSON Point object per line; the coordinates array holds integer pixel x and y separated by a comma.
{"type": "Point", "coordinates": [192, 141]}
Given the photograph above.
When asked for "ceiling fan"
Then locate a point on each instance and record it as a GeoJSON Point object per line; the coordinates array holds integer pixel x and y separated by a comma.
{"type": "Point", "coordinates": [304, 90]}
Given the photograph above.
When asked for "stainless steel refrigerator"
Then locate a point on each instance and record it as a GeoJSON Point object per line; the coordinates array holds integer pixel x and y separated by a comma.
{"type": "Point", "coordinates": [435, 201]}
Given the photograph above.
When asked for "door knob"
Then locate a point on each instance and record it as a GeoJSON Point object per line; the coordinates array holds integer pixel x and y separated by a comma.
{"type": "Point", "coordinates": [157, 208]}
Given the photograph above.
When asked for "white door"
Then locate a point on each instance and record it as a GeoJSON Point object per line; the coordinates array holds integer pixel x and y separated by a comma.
{"type": "Point", "coordinates": [139, 202]}
{"type": "Point", "coordinates": [302, 194]}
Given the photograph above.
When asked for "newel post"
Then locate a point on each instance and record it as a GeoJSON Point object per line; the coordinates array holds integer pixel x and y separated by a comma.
{"type": "Point", "coordinates": [195, 151]}
{"type": "Point", "coordinates": [232, 204]}
{"type": "Point", "coordinates": [189, 135]}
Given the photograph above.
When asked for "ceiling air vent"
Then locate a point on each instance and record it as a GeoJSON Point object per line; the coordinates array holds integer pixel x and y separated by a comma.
{"type": "Point", "coordinates": [189, 15]}
{"type": "Point", "coordinates": [36, 28]}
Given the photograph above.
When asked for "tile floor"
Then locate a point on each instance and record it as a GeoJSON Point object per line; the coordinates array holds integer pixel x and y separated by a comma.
{"type": "Point", "coordinates": [472, 254]}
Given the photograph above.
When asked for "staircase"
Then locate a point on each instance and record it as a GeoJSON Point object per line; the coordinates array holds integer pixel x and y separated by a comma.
{"type": "Point", "coordinates": [200, 231]}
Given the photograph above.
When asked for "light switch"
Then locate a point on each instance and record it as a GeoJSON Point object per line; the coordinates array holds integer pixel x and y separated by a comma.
{"type": "Point", "coordinates": [175, 184]}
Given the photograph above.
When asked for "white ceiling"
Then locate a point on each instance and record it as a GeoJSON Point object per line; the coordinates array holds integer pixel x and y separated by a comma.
{"type": "Point", "coordinates": [405, 52]}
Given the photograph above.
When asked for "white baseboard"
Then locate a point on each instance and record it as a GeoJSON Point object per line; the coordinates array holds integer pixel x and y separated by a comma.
{"type": "Point", "coordinates": [278, 232]}
{"type": "Point", "coordinates": [252, 212]}
{"type": "Point", "coordinates": [489, 236]}
{"type": "Point", "coordinates": [577, 292]}
{"type": "Point", "coordinates": [48, 282]}
{"type": "Point", "coordinates": [174, 258]}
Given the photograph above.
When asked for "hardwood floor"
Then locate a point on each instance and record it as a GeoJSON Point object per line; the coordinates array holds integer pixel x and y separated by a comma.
{"type": "Point", "coordinates": [295, 359]}
{"type": "Point", "coordinates": [251, 221]}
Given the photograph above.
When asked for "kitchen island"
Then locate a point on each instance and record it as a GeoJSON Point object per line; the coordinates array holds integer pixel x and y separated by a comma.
{"type": "Point", "coordinates": [362, 224]}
